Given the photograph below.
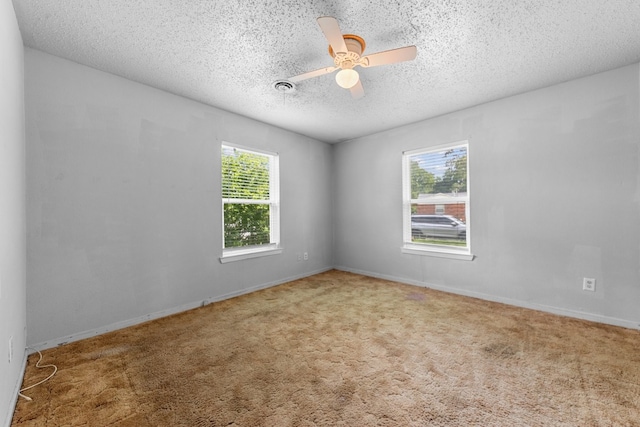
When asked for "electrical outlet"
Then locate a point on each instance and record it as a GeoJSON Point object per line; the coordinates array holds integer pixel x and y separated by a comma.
{"type": "Point", "coordinates": [306, 256]}
{"type": "Point", "coordinates": [299, 256]}
{"type": "Point", "coordinates": [589, 284]}
{"type": "Point", "coordinates": [10, 349]}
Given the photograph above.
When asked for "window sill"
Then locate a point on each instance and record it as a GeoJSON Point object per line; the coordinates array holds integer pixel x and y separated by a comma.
{"type": "Point", "coordinates": [437, 252]}
{"type": "Point", "coordinates": [240, 254]}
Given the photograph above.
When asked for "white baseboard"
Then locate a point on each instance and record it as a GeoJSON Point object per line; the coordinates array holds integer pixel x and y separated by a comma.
{"type": "Point", "coordinates": [517, 303]}
{"type": "Point", "coordinates": [17, 387]}
{"type": "Point", "coordinates": [163, 313]}
{"type": "Point", "coordinates": [184, 307]}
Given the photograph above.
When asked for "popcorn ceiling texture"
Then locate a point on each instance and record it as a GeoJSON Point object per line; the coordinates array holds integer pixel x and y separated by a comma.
{"type": "Point", "coordinates": [228, 54]}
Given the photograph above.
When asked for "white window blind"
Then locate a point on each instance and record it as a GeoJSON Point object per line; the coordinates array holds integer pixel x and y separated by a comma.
{"type": "Point", "coordinates": [250, 199]}
{"type": "Point", "coordinates": [436, 198]}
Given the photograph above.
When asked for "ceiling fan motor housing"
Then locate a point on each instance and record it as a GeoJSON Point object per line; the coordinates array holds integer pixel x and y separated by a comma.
{"type": "Point", "coordinates": [355, 46]}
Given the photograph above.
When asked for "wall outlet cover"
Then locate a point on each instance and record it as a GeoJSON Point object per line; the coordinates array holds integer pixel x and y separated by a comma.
{"type": "Point", "coordinates": [589, 284]}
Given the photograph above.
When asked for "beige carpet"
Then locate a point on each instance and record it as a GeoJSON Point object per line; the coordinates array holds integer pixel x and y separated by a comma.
{"type": "Point", "coordinates": [339, 349]}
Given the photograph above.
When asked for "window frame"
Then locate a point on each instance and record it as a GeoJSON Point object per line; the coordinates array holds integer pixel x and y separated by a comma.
{"type": "Point", "coordinates": [273, 247]}
{"type": "Point", "coordinates": [442, 251]}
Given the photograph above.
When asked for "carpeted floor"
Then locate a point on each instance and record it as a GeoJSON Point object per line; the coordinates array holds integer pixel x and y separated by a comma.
{"type": "Point", "coordinates": [340, 349]}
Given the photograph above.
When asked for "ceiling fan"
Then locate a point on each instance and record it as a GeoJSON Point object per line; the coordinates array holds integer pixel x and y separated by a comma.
{"type": "Point", "coordinates": [346, 50]}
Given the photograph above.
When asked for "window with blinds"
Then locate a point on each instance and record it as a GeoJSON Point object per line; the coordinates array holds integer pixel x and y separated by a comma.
{"type": "Point", "coordinates": [250, 199]}
{"type": "Point", "coordinates": [436, 198]}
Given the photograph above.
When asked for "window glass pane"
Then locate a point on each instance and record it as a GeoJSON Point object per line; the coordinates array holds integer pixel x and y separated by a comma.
{"type": "Point", "coordinates": [440, 172]}
{"type": "Point", "coordinates": [245, 175]}
{"type": "Point", "coordinates": [437, 184]}
{"type": "Point", "coordinates": [430, 228]}
{"type": "Point", "coordinates": [246, 224]}
{"type": "Point", "coordinates": [250, 198]}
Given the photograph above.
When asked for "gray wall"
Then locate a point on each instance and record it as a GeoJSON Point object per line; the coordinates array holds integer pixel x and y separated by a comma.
{"type": "Point", "coordinates": [124, 208]}
{"type": "Point", "coordinates": [12, 211]}
{"type": "Point", "coordinates": [555, 197]}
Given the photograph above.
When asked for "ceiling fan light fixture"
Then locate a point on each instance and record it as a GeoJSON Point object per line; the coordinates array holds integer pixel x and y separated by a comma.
{"type": "Point", "coordinates": [347, 78]}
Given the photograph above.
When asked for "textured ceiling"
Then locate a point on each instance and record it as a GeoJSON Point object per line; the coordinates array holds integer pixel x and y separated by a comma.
{"type": "Point", "coordinates": [228, 53]}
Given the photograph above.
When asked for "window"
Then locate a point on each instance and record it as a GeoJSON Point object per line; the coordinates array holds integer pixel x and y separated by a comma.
{"type": "Point", "coordinates": [436, 201]}
{"type": "Point", "coordinates": [250, 203]}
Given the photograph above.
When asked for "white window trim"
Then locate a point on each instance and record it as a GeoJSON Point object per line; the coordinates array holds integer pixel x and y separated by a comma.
{"type": "Point", "coordinates": [231, 254]}
{"type": "Point", "coordinates": [433, 251]}
{"type": "Point", "coordinates": [439, 251]}
{"type": "Point", "coordinates": [273, 248]}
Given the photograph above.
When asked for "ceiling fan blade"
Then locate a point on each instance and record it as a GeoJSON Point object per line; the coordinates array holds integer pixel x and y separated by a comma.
{"type": "Point", "coordinates": [311, 74]}
{"type": "Point", "coordinates": [331, 29]}
{"type": "Point", "coordinates": [357, 91]}
{"type": "Point", "coordinates": [390, 56]}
